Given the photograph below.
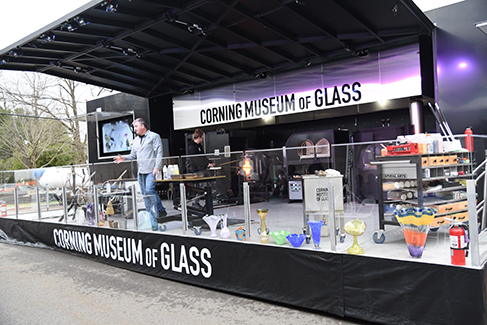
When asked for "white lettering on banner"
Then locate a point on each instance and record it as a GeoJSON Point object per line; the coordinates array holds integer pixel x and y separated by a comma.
{"type": "Point", "coordinates": [181, 259]}
{"type": "Point", "coordinates": [284, 104]}
{"type": "Point", "coordinates": [226, 112]}
{"type": "Point", "coordinates": [73, 240]}
{"type": "Point", "coordinates": [132, 249]}
{"type": "Point", "coordinates": [169, 257]}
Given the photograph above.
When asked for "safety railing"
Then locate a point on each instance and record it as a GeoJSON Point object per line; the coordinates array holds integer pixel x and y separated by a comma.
{"type": "Point", "coordinates": [242, 183]}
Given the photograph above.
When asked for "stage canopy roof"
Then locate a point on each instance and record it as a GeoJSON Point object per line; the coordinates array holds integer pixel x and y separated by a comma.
{"type": "Point", "coordinates": [156, 47]}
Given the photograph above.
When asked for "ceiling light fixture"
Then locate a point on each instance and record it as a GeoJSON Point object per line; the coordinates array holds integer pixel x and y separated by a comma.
{"type": "Point", "coordinates": [362, 53]}
{"type": "Point", "coordinates": [74, 24]}
{"type": "Point", "coordinates": [81, 21]}
{"type": "Point", "coordinates": [261, 75]}
{"type": "Point", "coordinates": [188, 92]}
{"type": "Point", "coordinates": [48, 37]}
{"type": "Point", "coordinates": [110, 5]}
{"type": "Point", "coordinates": [16, 53]}
{"type": "Point", "coordinates": [192, 28]}
{"type": "Point", "coordinates": [395, 9]}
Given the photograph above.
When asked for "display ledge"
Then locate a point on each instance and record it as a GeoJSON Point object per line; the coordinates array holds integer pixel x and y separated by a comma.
{"type": "Point", "coordinates": [436, 178]}
{"type": "Point", "coordinates": [429, 191]}
{"type": "Point", "coordinates": [443, 189]}
{"type": "Point", "coordinates": [426, 202]}
{"type": "Point", "coordinates": [447, 166]}
{"type": "Point", "coordinates": [431, 201]}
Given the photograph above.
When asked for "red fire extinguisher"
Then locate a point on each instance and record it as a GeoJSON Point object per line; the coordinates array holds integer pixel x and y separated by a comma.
{"type": "Point", "coordinates": [4, 209]}
{"type": "Point", "coordinates": [459, 243]}
{"type": "Point", "coordinates": [468, 139]}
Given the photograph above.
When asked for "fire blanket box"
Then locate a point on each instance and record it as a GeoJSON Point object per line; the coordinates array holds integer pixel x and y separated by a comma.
{"type": "Point", "coordinates": [317, 198]}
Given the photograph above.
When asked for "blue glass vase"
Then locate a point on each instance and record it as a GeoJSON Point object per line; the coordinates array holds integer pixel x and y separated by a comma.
{"type": "Point", "coordinates": [315, 226]}
{"type": "Point", "coordinates": [296, 239]}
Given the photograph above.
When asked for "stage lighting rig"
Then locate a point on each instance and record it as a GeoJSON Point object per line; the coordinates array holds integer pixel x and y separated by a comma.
{"type": "Point", "coordinates": [74, 24]}
{"type": "Point", "coordinates": [192, 28]}
{"type": "Point", "coordinates": [81, 21]}
{"type": "Point", "coordinates": [47, 37]}
{"type": "Point", "coordinates": [16, 53]}
{"type": "Point", "coordinates": [110, 5]}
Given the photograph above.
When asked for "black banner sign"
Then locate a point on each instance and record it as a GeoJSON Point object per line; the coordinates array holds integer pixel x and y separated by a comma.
{"type": "Point", "coordinates": [375, 289]}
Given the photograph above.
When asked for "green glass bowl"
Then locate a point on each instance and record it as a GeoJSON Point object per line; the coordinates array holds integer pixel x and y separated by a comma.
{"type": "Point", "coordinates": [280, 236]}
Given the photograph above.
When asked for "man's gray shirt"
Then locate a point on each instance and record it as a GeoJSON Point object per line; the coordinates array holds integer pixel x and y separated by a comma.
{"type": "Point", "coordinates": [148, 152]}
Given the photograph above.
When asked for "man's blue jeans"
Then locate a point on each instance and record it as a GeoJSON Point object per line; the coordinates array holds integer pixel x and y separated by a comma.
{"type": "Point", "coordinates": [152, 201]}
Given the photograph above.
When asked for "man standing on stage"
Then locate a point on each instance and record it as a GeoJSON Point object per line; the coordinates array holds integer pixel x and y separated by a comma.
{"type": "Point", "coordinates": [147, 149]}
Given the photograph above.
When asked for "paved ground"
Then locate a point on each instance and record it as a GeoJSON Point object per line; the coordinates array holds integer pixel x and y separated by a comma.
{"type": "Point", "coordinates": [42, 286]}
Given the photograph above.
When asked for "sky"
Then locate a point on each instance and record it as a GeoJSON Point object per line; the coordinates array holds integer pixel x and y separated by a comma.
{"type": "Point", "coordinates": [40, 13]}
{"type": "Point", "coordinates": [19, 19]}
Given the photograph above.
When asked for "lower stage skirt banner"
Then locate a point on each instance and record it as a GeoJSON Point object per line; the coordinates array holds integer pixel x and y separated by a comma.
{"type": "Point", "coordinates": [374, 289]}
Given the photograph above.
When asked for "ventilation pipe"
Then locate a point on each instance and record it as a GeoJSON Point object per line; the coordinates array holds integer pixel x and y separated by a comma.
{"type": "Point", "coordinates": [416, 116]}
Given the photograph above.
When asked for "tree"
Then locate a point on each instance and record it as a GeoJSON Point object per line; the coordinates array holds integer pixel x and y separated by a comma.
{"type": "Point", "coordinates": [29, 138]}
{"type": "Point", "coordinates": [51, 105]}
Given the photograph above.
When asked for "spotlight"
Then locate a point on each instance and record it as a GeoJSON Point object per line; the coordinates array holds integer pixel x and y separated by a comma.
{"type": "Point", "coordinates": [395, 9]}
{"type": "Point", "coordinates": [16, 53]}
{"type": "Point", "coordinates": [3, 60]}
{"type": "Point", "coordinates": [81, 21]}
{"type": "Point", "coordinates": [71, 27]}
{"type": "Point", "coordinates": [130, 52]}
{"type": "Point", "coordinates": [261, 75]}
{"type": "Point", "coordinates": [195, 27]}
{"type": "Point", "coordinates": [111, 6]}
{"type": "Point", "coordinates": [48, 37]}
{"type": "Point", "coordinates": [308, 63]}
{"type": "Point", "coordinates": [362, 53]}
{"type": "Point", "coordinates": [188, 92]}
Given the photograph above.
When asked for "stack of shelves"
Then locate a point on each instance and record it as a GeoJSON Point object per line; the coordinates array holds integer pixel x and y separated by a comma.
{"type": "Point", "coordinates": [432, 180]}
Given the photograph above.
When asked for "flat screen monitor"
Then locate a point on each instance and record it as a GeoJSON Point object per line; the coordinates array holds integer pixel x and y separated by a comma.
{"type": "Point", "coordinates": [115, 136]}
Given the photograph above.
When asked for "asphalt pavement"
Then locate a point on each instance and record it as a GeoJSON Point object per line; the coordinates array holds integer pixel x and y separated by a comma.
{"type": "Point", "coordinates": [43, 286]}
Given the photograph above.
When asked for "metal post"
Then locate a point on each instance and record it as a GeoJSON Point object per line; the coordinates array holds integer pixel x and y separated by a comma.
{"type": "Point", "coordinates": [38, 198]}
{"type": "Point", "coordinates": [246, 197]}
{"type": "Point", "coordinates": [184, 210]}
{"type": "Point", "coordinates": [16, 202]}
{"type": "Point", "coordinates": [331, 217]}
{"type": "Point", "coordinates": [47, 197]}
{"type": "Point", "coordinates": [95, 206]}
{"type": "Point", "coordinates": [473, 224]}
{"type": "Point", "coordinates": [306, 229]}
{"type": "Point", "coordinates": [134, 206]}
{"type": "Point", "coordinates": [65, 205]}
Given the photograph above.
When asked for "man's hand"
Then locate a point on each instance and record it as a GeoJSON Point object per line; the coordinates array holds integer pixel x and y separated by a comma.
{"type": "Point", "coordinates": [154, 172]}
{"type": "Point", "coordinates": [119, 159]}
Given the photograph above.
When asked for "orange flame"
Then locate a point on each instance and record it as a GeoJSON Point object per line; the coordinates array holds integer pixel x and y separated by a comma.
{"type": "Point", "coordinates": [247, 167]}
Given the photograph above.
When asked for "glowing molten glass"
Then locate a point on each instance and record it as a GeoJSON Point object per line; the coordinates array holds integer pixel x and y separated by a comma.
{"type": "Point", "coordinates": [247, 167]}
